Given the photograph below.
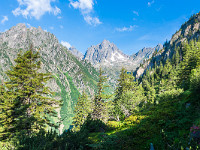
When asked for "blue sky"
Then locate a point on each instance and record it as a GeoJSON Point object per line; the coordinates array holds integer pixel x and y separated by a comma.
{"type": "Point", "coordinates": [130, 24]}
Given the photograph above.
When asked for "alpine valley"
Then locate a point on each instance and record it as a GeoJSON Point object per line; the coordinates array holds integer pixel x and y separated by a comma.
{"type": "Point", "coordinates": [109, 100]}
{"type": "Point", "coordinates": [73, 72]}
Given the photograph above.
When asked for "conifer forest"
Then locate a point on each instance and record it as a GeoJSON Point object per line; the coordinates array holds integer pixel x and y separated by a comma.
{"type": "Point", "coordinates": [53, 99]}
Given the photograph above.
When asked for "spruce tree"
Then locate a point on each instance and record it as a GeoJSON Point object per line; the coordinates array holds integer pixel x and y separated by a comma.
{"type": "Point", "coordinates": [176, 56]}
{"type": "Point", "coordinates": [6, 118]}
{"type": "Point", "coordinates": [191, 60]}
{"type": "Point", "coordinates": [128, 95]}
{"type": "Point", "coordinates": [118, 94]}
{"type": "Point", "coordinates": [82, 109]}
{"type": "Point", "coordinates": [100, 111]}
{"type": "Point", "coordinates": [27, 105]}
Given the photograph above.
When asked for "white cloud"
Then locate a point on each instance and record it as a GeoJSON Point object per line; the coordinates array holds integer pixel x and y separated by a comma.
{"type": "Point", "coordinates": [61, 27]}
{"type": "Point", "coordinates": [150, 3]}
{"type": "Point", "coordinates": [86, 8]}
{"type": "Point", "coordinates": [123, 29]}
{"type": "Point", "coordinates": [35, 8]}
{"type": "Point", "coordinates": [136, 13]}
{"type": "Point", "coordinates": [66, 44]}
{"type": "Point", "coordinates": [56, 11]}
{"type": "Point", "coordinates": [5, 18]}
{"type": "Point", "coordinates": [145, 37]}
{"type": "Point", "coordinates": [59, 17]}
{"type": "Point", "coordinates": [92, 20]}
{"type": "Point", "coordinates": [51, 28]}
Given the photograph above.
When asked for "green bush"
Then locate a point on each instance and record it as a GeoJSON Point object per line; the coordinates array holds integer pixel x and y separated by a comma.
{"type": "Point", "coordinates": [195, 80]}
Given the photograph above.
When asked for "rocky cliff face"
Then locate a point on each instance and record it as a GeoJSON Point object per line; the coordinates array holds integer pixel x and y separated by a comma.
{"type": "Point", "coordinates": [71, 76]}
{"type": "Point", "coordinates": [145, 54]}
{"type": "Point", "coordinates": [188, 31]}
{"type": "Point", "coordinates": [106, 54]}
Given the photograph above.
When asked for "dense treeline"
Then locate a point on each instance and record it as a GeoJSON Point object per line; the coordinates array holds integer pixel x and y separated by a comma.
{"type": "Point", "coordinates": [161, 108]}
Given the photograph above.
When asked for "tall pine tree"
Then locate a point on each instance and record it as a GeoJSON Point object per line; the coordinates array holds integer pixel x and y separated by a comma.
{"type": "Point", "coordinates": [128, 95]}
{"type": "Point", "coordinates": [26, 105]}
{"type": "Point", "coordinates": [82, 109]}
{"type": "Point", "coordinates": [100, 109]}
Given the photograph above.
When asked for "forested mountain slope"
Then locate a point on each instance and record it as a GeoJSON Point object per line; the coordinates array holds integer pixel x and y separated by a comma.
{"type": "Point", "coordinates": [190, 30]}
{"type": "Point", "coordinates": [158, 109]}
{"type": "Point", "coordinates": [71, 76]}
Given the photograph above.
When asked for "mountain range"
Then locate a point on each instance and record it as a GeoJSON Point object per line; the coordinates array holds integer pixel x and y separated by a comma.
{"type": "Point", "coordinates": [108, 55]}
{"type": "Point", "coordinates": [111, 59]}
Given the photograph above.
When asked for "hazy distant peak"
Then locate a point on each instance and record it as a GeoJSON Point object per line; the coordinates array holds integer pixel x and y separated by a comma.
{"type": "Point", "coordinates": [145, 53]}
{"type": "Point", "coordinates": [105, 45]}
{"type": "Point", "coordinates": [76, 53]}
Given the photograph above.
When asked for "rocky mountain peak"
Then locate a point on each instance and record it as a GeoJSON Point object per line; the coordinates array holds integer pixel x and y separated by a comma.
{"type": "Point", "coordinates": [76, 53]}
{"type": "Point", "coordinates": [20, 34]}
{"type": "Point", "coordinates": [104, 53]}
{"type": "Point", "coordinates": [20, 26]}
{"type": "Point", "coordinates": [145, 54]}
{"type": "Point", "coordinates": [106, 43]}
{"type": "Point", "coordinates": [107, 55]}
{"type": "Point", "coordinates": [39, 28]}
